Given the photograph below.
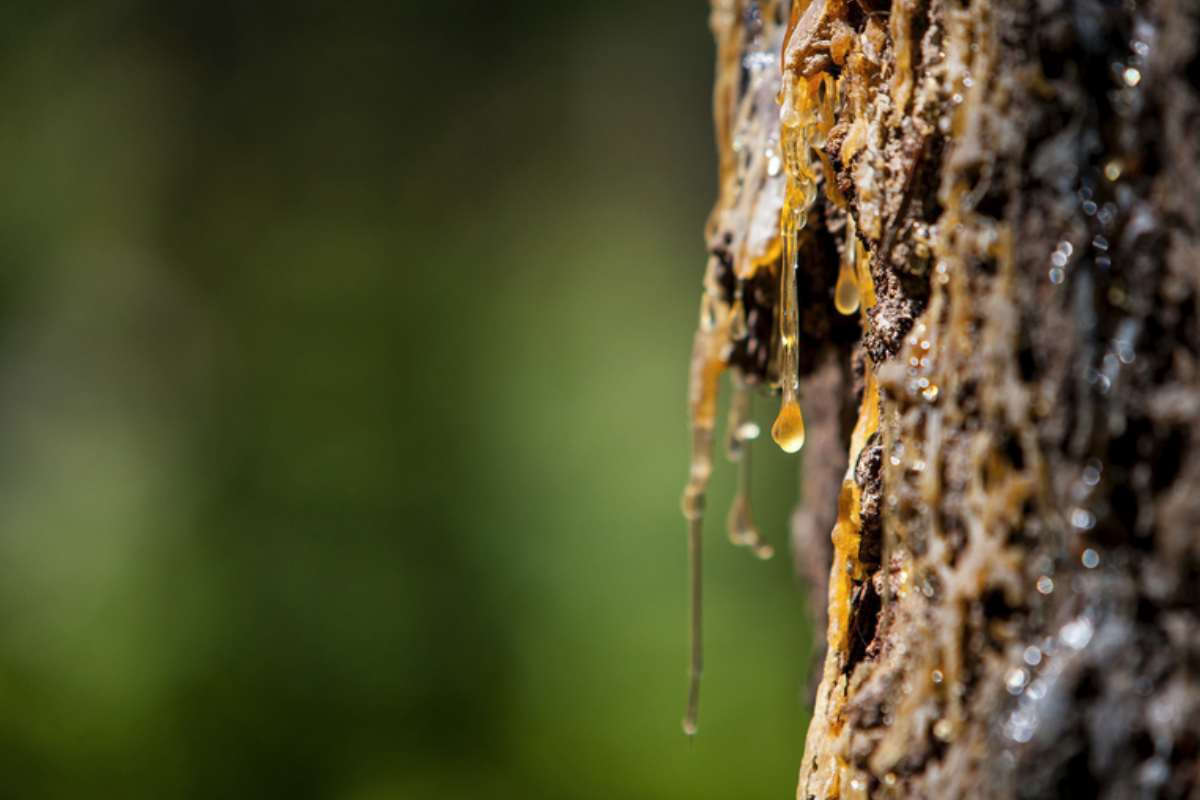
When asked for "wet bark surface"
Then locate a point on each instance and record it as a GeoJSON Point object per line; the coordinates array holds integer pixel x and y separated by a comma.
{"type": "Point", "coordinates": [1022, 609]}
{"type": "Point", "coordinates": [1027, 623]}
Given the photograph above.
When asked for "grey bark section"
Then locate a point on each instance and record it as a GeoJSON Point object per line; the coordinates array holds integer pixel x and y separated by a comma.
{"type": "Point", "coordinates": [1116, 711]}
{"type": "Point", "coordinates": [824, 463]}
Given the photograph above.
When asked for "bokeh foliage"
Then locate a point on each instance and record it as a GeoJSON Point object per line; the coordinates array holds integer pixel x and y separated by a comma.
{"type": "Point", "coordinates": [344, 349]}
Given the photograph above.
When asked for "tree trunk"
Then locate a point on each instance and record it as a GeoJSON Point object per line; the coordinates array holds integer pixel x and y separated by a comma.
{"type": "Point", "coordinates": [1003, 434]}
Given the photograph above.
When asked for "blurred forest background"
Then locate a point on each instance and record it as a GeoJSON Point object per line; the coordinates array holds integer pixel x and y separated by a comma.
{"type": "Point", "coordinates": [344, 355]}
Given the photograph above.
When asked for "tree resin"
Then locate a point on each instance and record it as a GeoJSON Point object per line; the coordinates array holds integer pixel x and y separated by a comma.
{"type": "Point", "coordinates": [797, 116]}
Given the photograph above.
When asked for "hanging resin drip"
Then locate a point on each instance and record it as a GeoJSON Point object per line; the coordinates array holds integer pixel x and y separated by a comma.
{"type": "Point", "coordinates": [788, 430]}
{"type": "Point", "coordinates": [796, 116]}
{"type": "Point", "coordinates": [846, 295]}
{"type": "Point", "coordinates": [703, 386]}
{"type": "Point", "coordinates": [743, 237]}
{"type": "Point", "coordinates": [742, 431]}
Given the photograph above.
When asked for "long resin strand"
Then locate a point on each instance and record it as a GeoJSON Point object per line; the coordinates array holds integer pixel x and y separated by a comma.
{"type": "Point", "coordinates": [703, 387]}
{"type": "Point", "coordinates": [795, 117]}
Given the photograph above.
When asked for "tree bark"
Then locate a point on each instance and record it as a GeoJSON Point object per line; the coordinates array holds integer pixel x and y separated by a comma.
{"type": "Point", "coordinates": [1003, 440]}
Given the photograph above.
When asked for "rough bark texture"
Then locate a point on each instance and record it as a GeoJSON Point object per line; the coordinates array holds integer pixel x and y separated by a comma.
{"type": "Point", "coordinates": [1060, 333]}
{"type": "Point", "coordinates": [1014, 596]}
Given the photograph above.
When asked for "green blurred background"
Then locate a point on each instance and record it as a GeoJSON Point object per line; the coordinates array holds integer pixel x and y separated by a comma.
{"type": "Point", "coordinates": [344, 355]}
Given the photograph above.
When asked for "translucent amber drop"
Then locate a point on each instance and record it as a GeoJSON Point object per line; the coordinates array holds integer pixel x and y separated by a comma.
{"type": "Point", "coordinates": [845, 296]}
{"type": "Point", "coordinates": [788, 430]}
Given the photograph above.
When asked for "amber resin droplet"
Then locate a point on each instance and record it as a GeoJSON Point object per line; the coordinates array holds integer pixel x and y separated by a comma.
{"type": "Point", "coordinates": [788, 430]}
{"type": "Point", "coordinates": [845, 295]}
